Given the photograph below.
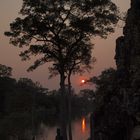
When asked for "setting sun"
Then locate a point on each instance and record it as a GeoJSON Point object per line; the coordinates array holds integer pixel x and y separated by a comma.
{"type": "Point", "coordinates": [83, 81]}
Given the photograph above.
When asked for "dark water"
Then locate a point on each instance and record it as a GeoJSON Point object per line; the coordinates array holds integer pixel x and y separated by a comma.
{"type": "Point", "coordinates": [80, 129]}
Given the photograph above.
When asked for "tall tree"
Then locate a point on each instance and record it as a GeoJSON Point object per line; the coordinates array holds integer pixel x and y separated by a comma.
{"type": "Point", "coordinates": [58, 29]}
{"type": "Point", "coordinates": [80, 62]}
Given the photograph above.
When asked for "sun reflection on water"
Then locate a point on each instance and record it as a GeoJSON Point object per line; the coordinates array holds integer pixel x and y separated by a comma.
{"type": "Point", "coordinates": [83, 125]}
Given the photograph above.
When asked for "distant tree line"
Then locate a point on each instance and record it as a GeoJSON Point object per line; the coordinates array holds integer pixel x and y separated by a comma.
{"type": "Point", "coordinates": [25, 104]}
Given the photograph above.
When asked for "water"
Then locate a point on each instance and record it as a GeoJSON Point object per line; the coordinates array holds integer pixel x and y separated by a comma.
{"type": "Point", "coordinates": [80, 130]}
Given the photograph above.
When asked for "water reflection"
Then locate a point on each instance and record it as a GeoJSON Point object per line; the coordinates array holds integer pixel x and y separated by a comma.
{"type": "Point", "coordinates": [83, 125]}
{"type": "Point", "coordinates": [80, 130]}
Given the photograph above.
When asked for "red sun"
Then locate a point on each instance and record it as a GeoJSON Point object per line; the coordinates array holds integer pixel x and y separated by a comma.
{"type": "Point", "coordinates": [83, 81]}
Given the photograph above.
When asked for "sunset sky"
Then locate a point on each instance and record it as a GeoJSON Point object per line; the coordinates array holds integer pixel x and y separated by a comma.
{"type": "Point", "coordinates": [104, 50]}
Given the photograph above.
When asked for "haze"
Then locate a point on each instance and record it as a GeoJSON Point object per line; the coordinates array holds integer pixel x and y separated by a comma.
{"type": "Point", "coordinates": [104, 50]}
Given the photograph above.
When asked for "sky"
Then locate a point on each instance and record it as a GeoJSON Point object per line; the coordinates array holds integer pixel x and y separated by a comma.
{"type": "Point", "coordinates": [104, 49]}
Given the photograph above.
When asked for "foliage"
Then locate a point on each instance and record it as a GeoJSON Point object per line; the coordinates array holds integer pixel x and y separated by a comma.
{"type": "Point", "coordinates": [24, 102]}
{"type": "Point", "coordinates": [110, 115]}
{"type": "Point", "coordinates": [88, 94]}
{"type": "Point", "coordinates": [5, 71]}
{"type": "Point", "coordinates": [61, 30]}
{"type": "Point", "coordinates": [21, 104]}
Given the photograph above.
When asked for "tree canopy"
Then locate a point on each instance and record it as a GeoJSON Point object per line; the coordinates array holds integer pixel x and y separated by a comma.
{"type": "Point", "coordinates": [5, 71]}
{"type": "Point", "coordinates": [61, 30]}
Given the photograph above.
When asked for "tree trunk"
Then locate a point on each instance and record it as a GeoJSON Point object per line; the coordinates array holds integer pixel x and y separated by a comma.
{"type": "Point", "coordinates": [63, 114]}
{"type": "Point", "coordinates": [69, 107]}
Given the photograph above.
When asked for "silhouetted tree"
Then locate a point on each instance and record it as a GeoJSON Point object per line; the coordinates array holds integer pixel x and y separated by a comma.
{"type": "Point", "coordinates": [87, 93]}
{"type": "Point", "coordinates": [23, 103]}
{"type": "Point", "coordinates": [58, 29]}
{"type": "Point", "coordinates": [5, 71]}
{"type": "Point", "coordinates": [7, 84]}
{"type": "Point", "coordinates": [80, 62]}
{"type": "Point", "coordinates": [106, 85]}
{"type": "Point", "coordinates": [111, 118]}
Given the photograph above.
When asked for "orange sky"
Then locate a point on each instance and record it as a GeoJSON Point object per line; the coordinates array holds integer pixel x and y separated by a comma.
{"type": "Point", "coordinates": [104, 50]}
